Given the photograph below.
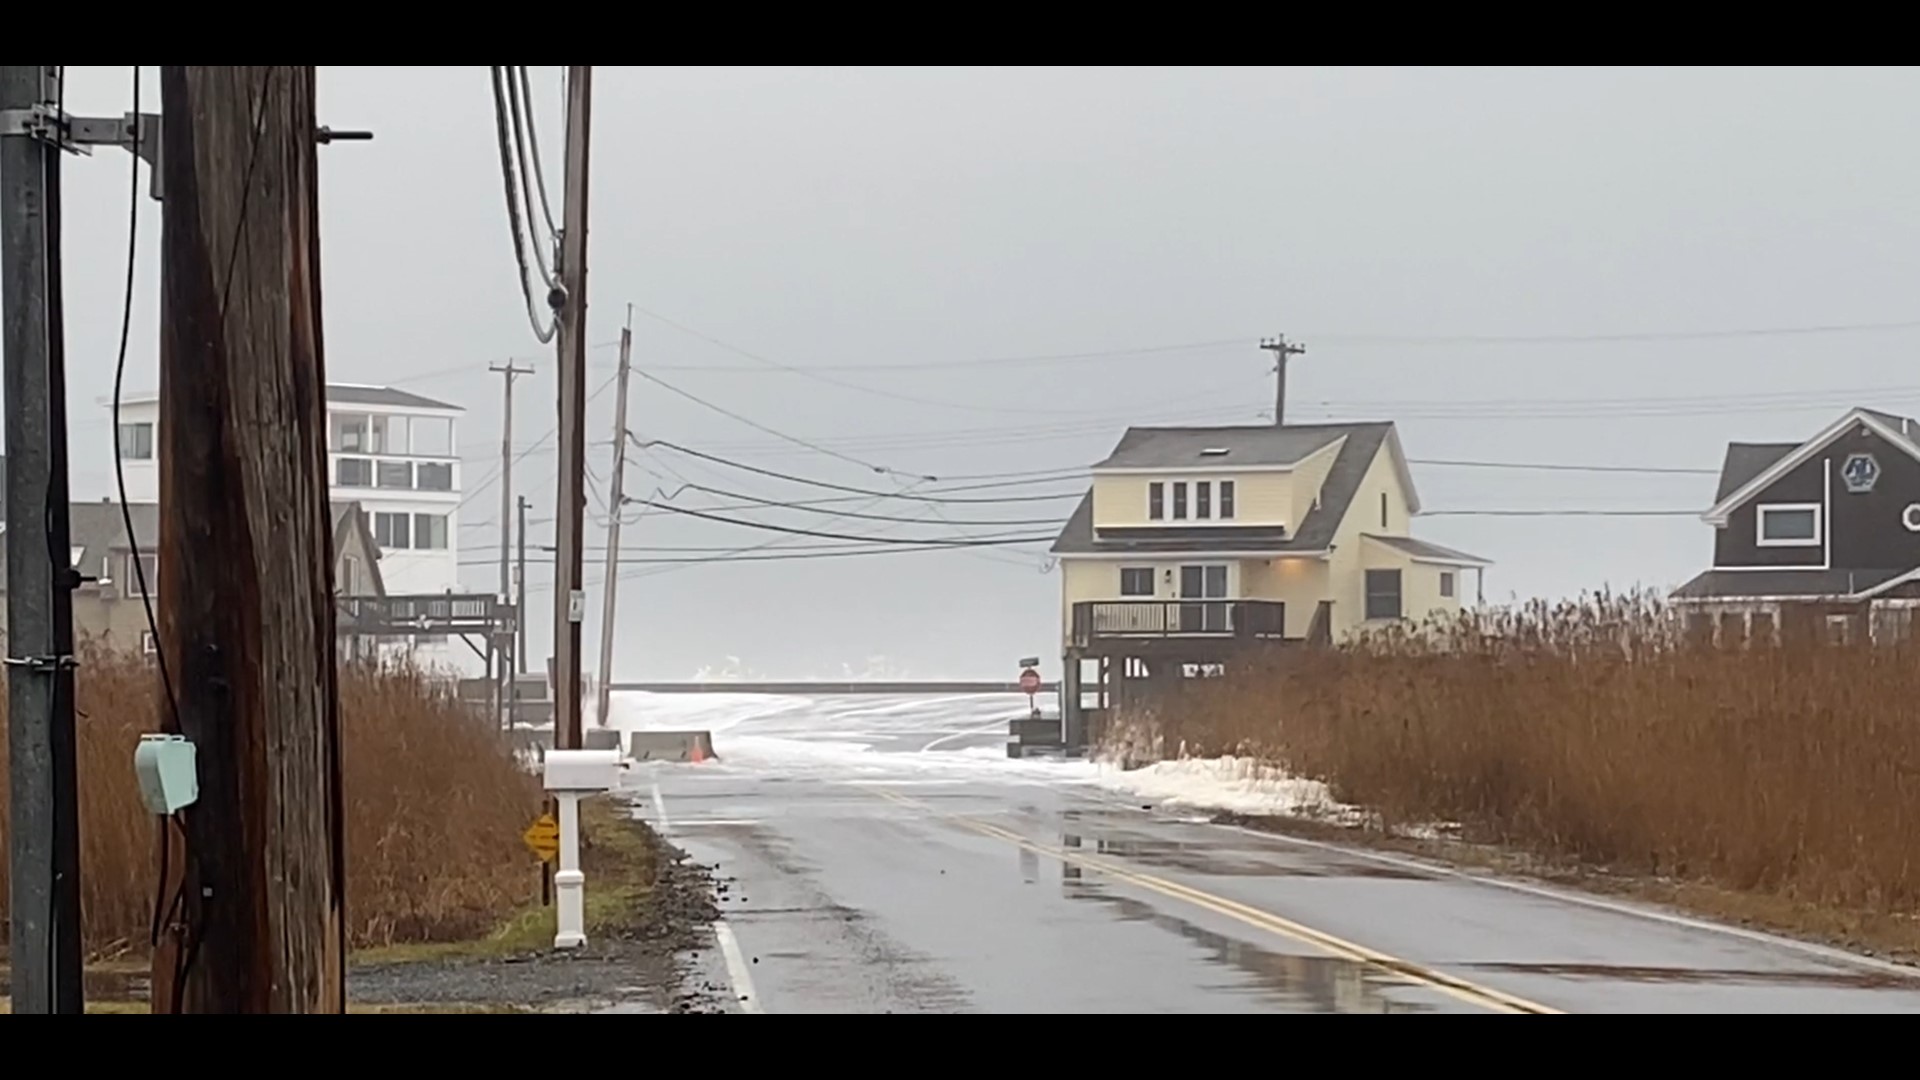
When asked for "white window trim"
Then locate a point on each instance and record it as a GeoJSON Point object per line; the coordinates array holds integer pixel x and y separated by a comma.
{"type": "Point", "coordinates": [1760, 524]}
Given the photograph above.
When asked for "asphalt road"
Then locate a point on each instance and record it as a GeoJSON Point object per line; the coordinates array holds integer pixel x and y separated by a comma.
{"type": "Point", "coordinates": [901, 869]}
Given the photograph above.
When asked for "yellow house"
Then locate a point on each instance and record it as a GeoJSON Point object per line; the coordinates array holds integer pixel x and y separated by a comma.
{"type": "Point", "coordinates": [1195, 541]}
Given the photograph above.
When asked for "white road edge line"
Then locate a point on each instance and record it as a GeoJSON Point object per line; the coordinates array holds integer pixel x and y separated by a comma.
{"type": "Point", "coordinates": [743, 992]}
{"type": "Point", "coordinates": [736, 967]}
{"type": "Point", "coordinates": [997, 725]}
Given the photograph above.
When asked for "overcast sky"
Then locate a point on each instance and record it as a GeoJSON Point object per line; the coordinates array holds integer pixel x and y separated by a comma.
{"type": "Point", "coordinates": [900, 218]}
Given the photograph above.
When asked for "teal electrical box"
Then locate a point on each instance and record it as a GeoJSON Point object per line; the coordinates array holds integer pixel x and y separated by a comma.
{"type": "Point", "coordinates": [169, 779]}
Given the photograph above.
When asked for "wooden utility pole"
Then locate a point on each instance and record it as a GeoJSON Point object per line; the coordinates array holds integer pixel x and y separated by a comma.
{"type": "Point", "coordinates": [1281, 349]}
{"type": "Point", "coordinates": [616, 501]}
{"type": "Point", "coordinates": [569, 598]}
{"type": "Point", "coordinates": [503, 676]}
{"type": "Point", "coordinates": [43, 830]}
{"type": "Point", "coordinates": [246, 567]}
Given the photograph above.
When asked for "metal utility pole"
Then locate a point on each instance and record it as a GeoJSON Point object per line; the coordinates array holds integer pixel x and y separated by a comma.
{"type": "Point", "coordinates": [1281, 349]}
{"type": "Point", "coordinates": [603, 697]}
{"type": "Point", "coordinates": [44, 894]}
{"type": "Point", "coordinates": [520, 592]}
{"type": "Point", "coordinates": [569, 598]}
{"type": "Point", "coordinates": [256, 888]}
{"type": "Point", "coordinates": [508, 370]}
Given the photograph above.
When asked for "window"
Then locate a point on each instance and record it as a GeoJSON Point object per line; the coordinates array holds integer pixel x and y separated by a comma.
{"type": "Point", "coordinates": [396, 474]}
{"type": "Point", "coordinates": [390, 530]}
{"type": "Point", "coordinates": [434, 476]}
{"type": "Point", "coordinates": [1789, 525]}
{"type": "Point", "coordinates": [389, 434]}
{"type": "Point", "coordinates": [1839, 630]}
{"type": "Point", "coordinates": [430, 532]}
{"type": "Point", "coordinates": [1226, 500]}
{"type": "Point", "coordinates": [147, 645]}
{"type": "Point", "coordinates": [353, 472]}
{"type": "Point", "coordinates": [1156, 501]}
{"type": "Point", "coordinates": [1383, 594]}
{"type": "Point", "coordinates": [1383, 509]}
{"type": "Point", "coordinates": [1136, 581]}
{"type": "Point", "coordinates": [348, 433]}
{"type": "Point", "coordinates": [1180, 501]}
{"type": "Point", "coordinates": [432, 436]}
{"type": "Point", "coordinates": [349, 576]}
{"type": "Point", "coordinates": [1446, 584]}
{"type": "Point", "coordinates": [1203, 500]}
{"type": "Point", "coordinates": [136, 442]}
{"type": "Point", "coordinates": [149, 565]}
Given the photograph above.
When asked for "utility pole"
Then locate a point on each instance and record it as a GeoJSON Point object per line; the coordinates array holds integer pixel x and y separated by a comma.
{"type": "Point", "coordinates": [615, 502]}
{"type": "Point", "coordinates": [1281, 349]}
{"type": "Point", "coordinates": [256, 889]}
{"type": "Point", "coordinates": [520, 591]}
{"type": "Point", "coordinates": [503, 676]}
{"type": "Point", "coordinates": [569, 599]}
{"type": "Point", "coordinates": [44, 893]}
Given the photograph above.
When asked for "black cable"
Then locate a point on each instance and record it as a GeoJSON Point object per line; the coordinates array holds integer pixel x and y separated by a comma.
{"type": "Point", "coordinates": [514, 110]}
{"type": "Point", "coordinates": [473, 493]}
{"type": "Point", "coordinates": [505, 140]}
{"type": "Point", "coordinates": [804, 532]}
{"type": "Point", "coordinates": [779, 505]}
{"type": "Point", "coordinates": [757, 426]}
{"type": "Point", "coordinates": [533, 143]}
{"type": "Point", "coordinates": [790, 478]}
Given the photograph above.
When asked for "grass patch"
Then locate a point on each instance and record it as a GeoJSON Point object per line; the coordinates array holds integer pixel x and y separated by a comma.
{"type": "Point", "coordinates": [1776, 786]}
{"type": "Point", "coordinates": [619, 856]}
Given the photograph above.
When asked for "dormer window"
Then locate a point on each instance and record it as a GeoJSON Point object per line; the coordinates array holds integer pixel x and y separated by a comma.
{"type": "Point", "coordinates": [1156, 501]}
{"type": "Point", "coordinates": [1226, 500]}
{"type": "Point", "coordinates": [1215, 451]}
{"type": "Point", "coordinates": [1203, 500]}
{"type": "Point", "coordinates": [1180, 501]}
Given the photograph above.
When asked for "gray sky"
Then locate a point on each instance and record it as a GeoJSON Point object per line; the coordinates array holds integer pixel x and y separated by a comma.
{"type": "Point", "coordinates": [902, 217]}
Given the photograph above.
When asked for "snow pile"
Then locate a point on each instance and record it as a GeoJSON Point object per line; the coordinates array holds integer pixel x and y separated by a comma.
{"type": "Point", "coordinates": [1233, 784]}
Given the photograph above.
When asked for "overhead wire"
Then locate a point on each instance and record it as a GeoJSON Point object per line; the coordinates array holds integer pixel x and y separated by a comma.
{"type": "Point", "coordinates": [502, 135]}
{"type": "Point", "coordinates": [515, 80]}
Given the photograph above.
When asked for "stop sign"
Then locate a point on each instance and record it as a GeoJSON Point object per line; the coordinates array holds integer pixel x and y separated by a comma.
{"type": "Point", "coordinates": [1030, 681]}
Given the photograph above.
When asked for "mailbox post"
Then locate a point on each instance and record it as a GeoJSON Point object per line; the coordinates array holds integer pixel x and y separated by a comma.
{"type": "Point", "coordinates": [570, 776]}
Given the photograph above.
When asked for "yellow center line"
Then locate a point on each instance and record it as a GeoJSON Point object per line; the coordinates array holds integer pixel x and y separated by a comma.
{"type": "Point", "coordinates": [1461, 989]}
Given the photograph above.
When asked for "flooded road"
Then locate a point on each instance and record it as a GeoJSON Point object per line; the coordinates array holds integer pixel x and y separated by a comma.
{"type": "Point", "coordinates": [886, 857]}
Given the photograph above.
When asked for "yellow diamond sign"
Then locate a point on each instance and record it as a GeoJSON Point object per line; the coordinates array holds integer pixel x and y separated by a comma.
{"type": "Point", "coordinates": [543, 837]}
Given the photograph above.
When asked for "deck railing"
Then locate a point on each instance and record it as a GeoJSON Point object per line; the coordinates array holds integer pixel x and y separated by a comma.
{"type": "Point", "coordinates": [1094, 620]}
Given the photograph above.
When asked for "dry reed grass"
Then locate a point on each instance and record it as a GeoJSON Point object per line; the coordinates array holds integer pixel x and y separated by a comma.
{"type": "Point", "coordinates": [435, 808]}
{"type": "Point", "coordinates": [1590, 732]}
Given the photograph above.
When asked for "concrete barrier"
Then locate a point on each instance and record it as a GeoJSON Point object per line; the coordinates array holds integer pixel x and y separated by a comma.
{"type": "Point", "coordinates": [688, 746]}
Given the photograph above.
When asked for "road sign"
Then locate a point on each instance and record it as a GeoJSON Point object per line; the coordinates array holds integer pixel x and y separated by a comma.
{"type": "Point", "coordinates": [1030, 682]}
{"type": "Point", "coordinates": [543, 838]}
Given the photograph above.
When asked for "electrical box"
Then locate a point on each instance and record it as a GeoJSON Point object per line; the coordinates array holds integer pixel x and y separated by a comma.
{"type": "Point", "coordinates": [169, 778]}
{"type": "Point", "coordinates": [584, 770]}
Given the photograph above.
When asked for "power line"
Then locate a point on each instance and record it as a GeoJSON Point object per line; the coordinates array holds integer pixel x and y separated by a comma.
{"type": "Point", "coordinates": [474, 492]}
{"type": "Point", "coordinates": [505, 139]}
{"type": "Point", "coordinates": [781, 505]}
{"type": "Point", "coordinates": [1524, 466]}
{"type": "Point", "coordinates": [827, 535]}
{"type": "Point", "coordinates": [533, 143]}
{"type": "Point", "coordinates": [757, 426]}
{"type": "Point", "coordinates": [515, 80]}
{"type": "Point", "coordinates": [1559, 513]}
{"type": "Point", "coordinates": [1062, 475]}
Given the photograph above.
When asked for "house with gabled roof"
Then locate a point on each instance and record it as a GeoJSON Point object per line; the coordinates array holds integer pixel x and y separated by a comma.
{"type": "Point", "coordinates": [1819, 538]}
{"type": "Point", "coordinates": [1194, 543]}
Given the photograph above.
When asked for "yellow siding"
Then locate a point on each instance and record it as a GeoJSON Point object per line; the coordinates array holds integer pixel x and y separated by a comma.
{"type": "Point", "coordinates": [1298, 583]}
{"type": "Point", "coordinates": [1260, 498]}
{"type": "Point", "coordinates": [1347, 566]}
{"type": "Point", "coordinates": [1420, 597]}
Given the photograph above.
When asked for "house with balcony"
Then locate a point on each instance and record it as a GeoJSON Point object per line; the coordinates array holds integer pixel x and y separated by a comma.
{"type": "Point", "coordinates": [393, 452]}
{"type": "Point", "coordinates": [1814, 540]}
{"type": "Point", "coordinates": [1195, 543]}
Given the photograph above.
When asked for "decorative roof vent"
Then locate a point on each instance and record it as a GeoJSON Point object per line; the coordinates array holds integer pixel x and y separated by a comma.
{"type": "Point", "coordinates": [1215, 451]}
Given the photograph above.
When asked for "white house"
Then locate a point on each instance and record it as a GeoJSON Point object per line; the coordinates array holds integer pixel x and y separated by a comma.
{"type": "Point", "coordinates": [392, 451]}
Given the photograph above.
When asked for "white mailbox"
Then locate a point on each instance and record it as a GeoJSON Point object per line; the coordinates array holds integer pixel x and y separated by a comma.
{"type": "Point", "coordinates": [584, 770]}
{"type": "Point", "coordinates": [570, 775]}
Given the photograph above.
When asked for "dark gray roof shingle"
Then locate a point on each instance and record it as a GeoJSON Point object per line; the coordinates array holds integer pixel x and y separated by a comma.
{"type": "Point", "coordinates": [1422, 549]}
{"type": "Point", "coordinates": [1173, 447]}
{"type": "Point", "coordinates": [1363, 442]}
{"type": "Point", "coordinates": [1746, 461]}
{"type": "Point", "coordinates": [1796, 584]}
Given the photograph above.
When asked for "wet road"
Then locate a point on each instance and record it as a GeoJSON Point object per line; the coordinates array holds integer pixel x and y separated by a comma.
{"type": "Point", "coordinates": [883, 861]}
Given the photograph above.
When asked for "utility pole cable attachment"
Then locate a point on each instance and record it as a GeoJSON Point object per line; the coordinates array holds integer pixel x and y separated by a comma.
{"type": "Point", "coordinates": [1281, 350]}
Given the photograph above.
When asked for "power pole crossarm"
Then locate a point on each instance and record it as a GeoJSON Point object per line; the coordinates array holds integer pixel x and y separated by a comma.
{"type": "Point", "coordinates": [246, 563]}
{"type": "Point", "coordinates": [1281, 348]}
{"type": "Point", "coordinates": [603, 696]}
